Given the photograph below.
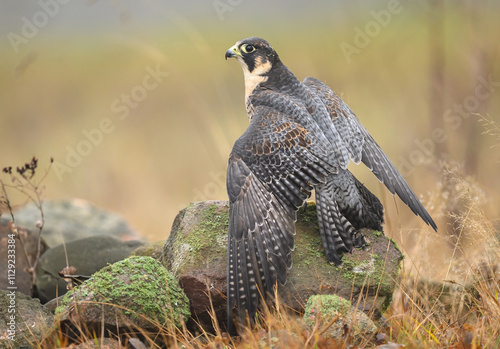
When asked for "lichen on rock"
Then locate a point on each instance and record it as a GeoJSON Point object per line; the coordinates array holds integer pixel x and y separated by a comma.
{"type": "Point", "coordinates": [196, 251]}
{"type": "Point", "coordinates": [200, 236]}
{"type": "Point", "coordinates": [135, 291]}
{"type": "Point", "coordinates": [368, 274]}
{"type": "Point", "coordinates": [27, 325]}
{"type": "Point", "coordinates": [336, 312]}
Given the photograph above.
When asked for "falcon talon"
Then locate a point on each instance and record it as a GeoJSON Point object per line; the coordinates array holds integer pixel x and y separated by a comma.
{"type": "Point", "coordinates": [301, 138]}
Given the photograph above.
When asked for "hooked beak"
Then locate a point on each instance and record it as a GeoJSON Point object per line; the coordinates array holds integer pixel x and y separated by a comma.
{"type": "Point", "coordinates": [233, 52]}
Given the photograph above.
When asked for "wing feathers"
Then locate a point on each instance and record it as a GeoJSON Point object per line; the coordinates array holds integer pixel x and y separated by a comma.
{"type": "Point", "coordinates": [260, 241]}
{"type": "Point", "coordinates": [291, 147]}
{"type": "Point", "coordinates": [361, 145]}
{"type": "Point", "coordinates": [271, 171]}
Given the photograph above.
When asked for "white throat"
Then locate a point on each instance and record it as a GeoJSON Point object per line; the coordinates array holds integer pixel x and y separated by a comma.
{"type": "Point", "coordinates": [256, 77]}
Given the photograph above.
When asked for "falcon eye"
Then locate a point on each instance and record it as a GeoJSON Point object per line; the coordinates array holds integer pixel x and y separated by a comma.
{"type": "Point", "coordinates": [248, 48]}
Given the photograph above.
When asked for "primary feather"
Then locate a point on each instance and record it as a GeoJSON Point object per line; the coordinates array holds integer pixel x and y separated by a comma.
{"type": "Point", "coordinates": [301, 137]}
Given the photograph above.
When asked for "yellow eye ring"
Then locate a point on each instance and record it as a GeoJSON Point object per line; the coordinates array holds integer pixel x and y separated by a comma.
{"type": "Point", "coordinates": [247, 48]}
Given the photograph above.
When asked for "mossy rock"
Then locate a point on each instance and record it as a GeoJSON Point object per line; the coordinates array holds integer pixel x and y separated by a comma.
{"type": "Point", "coordinates": [337, 312]}
{"type": "Point", "coordinates": [198, 237]}
{"type": "Point", "coordinates": [84, 256]}
{"type": "Point", "coordinates": [150, 249]}
{"type": "Point", "coordinates": [367, 276]}
{"type": "Point", "coordinates": [137, 292]}
{"type": "Point", "coordinates": [23, 320]}
{"type": "Point", "coordinates": [196, 251]}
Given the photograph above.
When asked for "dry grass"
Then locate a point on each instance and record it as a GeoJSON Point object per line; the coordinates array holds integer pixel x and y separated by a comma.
{"type": "Point", "coordinates": [459, 307]}
{"type": "Point", "coordinates": [448, 293]}
{"type": "Point", "coordinates": [459, 310]}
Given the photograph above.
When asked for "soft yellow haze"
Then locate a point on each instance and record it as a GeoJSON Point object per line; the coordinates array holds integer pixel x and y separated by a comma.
{"type": "Point", "coordinates": [150, 160]}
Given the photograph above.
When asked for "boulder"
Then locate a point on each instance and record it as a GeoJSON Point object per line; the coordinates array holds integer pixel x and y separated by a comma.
{"type": "Point", "coordinates": [150, 249]}
{"type": "Point", "coordinates": [367, 277]}
{"type": "Point", "coordinates": [137, 293]}
{"type": "Point", "coordinates": [86, 255]}
{"type": "Point", "coordinates": [196, 252]}
{"type": "Point", "coordinates": [23, 320]}
{"type": "Point", "coordinates": [332, 314]}
{"type": "Point", "coordinates": [74, 219]}
{"type": "Point", "coordinates": [26, 248]}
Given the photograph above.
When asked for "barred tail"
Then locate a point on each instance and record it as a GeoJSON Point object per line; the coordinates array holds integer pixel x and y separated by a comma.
{"type": "Point", "coordinates": [368, 212]}
{"type": "Point", "coordinates": [336, 232]}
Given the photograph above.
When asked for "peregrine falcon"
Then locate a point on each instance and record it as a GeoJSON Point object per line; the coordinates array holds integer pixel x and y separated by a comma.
{"type": "Point", "coordinates": [301, 137]}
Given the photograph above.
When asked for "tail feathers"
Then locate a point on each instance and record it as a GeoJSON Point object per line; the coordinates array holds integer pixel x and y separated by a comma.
{"type": "Point", "coordinates": [356, 203]}
{"type": "Point", "coordinates": [370, 213]}
{"type": "Point", "coordinates": [336, 231]}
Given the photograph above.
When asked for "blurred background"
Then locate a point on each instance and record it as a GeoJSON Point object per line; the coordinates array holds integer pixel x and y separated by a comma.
{"type": "Point", "coordinates": [139, 110]}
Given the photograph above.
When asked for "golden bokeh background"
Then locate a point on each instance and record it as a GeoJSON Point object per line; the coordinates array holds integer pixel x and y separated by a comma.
{"type": "Point", "coordinates": [417, 73]}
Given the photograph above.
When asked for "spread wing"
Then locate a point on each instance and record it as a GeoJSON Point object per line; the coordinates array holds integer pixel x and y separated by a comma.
{"type": "Point", "coordinates": [361, 146]}
{"type": "Point", "coordinates": [271, 170]}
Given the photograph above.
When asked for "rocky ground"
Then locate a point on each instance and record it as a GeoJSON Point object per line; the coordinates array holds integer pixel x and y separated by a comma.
{"type": "Point", "coordinates": [118, 283]}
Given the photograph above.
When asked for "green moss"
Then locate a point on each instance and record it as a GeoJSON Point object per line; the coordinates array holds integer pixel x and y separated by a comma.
{"type": "Point", "coordinates": [347, 267]}
{"type": "Point", "coordinates": [397, 247]}
{"type": "Point", "coordinates": [64, 303]}
{"type": "Point", "coordinates": [337, 312]}
{"type": "Point", "coordinates": [377, 233]}
{"type": "Point", "coordinates": [367, 274]}
{"type": "Point", "coordinates": [308, 214]}
{"type": "Point", "coordinates": [310, 250]}
{"type": "Point", "coordinates": [152, 249]}
{"type": "Point", "coordinates": [210, 233]}
{"type": "Point", "coordinates": [140, 284]}
{"type": "Point", "coordinates": [325, 306]}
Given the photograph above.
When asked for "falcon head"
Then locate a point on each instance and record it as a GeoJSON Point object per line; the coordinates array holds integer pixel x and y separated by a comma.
{"type": "Point", "coordinates": [258, 60]}
{"type": "Point", "coordinates": [255, 55]}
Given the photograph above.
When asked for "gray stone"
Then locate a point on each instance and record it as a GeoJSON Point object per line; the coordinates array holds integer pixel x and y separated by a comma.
{"type": "Point", "coordinates": [196, 252]}
{"type": "Point", "coordinates": [74, 219]}
{"type": "Point", "coordinates": [86, 255]}
{"type": "Point", "coordinates": [150, 249]}
{"type": "Point", "coordinates": [53, 304]}
{"type": "Point", "coordinates": [31, 320]}
{"type": "Point", "coordinates": [332, 314]}
{"type": "Point", "coordinates": [26, 248]}
{"type": "Point", "coordinates": [136, 293]}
